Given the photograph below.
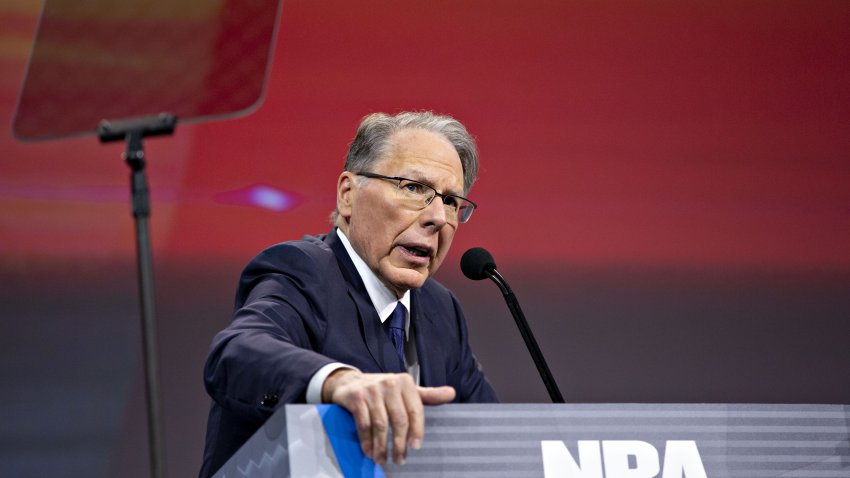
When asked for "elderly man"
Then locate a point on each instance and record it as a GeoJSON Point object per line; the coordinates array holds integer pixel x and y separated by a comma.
{"type": "Point", "coordinates": [353, 317]}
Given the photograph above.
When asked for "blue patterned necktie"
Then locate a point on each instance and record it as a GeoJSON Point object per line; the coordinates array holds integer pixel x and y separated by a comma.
{"type": "Point", "coordinates": [396, 330]}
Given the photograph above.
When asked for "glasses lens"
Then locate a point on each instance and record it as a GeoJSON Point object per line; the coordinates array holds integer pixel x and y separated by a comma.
{"type": "Point", "coordinates": [418, 196]}
{"type": "Point", "coordinates": [464, 210]}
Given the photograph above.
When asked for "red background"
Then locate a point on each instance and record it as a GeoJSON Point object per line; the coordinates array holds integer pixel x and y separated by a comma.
{"type": "Point", "coordinates": [664, 183]}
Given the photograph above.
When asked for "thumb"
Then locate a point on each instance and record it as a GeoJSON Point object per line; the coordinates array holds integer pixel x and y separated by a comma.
{"type": "Point", "coordinates": [436, 395]}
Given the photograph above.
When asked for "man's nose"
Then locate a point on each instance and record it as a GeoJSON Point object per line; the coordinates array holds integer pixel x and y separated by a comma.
{"type": "Point", "coordinates": [435, 213]}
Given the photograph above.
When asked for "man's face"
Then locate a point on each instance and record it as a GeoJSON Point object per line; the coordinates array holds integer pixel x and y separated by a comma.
{"type": "Point", "coordinates": [402, 246]}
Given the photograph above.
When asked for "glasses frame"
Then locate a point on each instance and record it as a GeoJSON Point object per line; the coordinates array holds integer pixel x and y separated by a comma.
{"type": "Point", "coordinates": [428, 203]}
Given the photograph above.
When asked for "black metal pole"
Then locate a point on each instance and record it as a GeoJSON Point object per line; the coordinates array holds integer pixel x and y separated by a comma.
{"type": "Point", "coordinates": [133, 131]}
{"type": "Point", "coordinates": [527, 336]}
{"type": "Point", "coordinates": [135, 158]}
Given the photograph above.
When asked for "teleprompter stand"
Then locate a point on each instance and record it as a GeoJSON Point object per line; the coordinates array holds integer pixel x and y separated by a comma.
{"type": "Point", "coordinates": [161, 61]}
{"type": "Point", "coordinates": [133, 131]}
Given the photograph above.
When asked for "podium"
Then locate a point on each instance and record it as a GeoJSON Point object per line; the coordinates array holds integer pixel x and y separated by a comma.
{"type": "Point", "coordinates": [564, 440]}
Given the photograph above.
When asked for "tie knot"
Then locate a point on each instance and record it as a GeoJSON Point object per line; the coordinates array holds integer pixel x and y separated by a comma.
{"type": "Point", "coordinates": [397, 318]}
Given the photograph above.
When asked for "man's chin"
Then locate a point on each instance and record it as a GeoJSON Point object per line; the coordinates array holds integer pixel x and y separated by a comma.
{"type": "Point", "coordinates": [404, 279]}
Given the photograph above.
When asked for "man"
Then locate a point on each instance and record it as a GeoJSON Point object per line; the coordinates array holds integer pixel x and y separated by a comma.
{"type": "Point", "coordinates": [353, 317]}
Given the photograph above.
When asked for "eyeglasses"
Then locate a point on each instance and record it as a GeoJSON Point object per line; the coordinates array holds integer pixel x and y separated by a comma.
{"type": "Point", "coordinates": [419, 195]}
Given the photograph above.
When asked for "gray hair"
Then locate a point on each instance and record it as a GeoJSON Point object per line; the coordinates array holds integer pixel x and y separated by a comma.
{"type": "Point", "coordinates": [371, 142]}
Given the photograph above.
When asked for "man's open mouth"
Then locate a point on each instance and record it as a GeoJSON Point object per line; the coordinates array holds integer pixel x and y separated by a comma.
{"type": "Point", "coordinates": [417, 251]}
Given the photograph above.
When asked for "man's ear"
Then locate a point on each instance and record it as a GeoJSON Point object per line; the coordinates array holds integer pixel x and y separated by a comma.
{"type": "Point", "coordinates": [345, 194]}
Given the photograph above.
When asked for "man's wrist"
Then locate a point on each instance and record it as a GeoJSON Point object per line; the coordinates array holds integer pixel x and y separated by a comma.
{"type": "Point", "coordinates": [317, 381]}
{"type": "Point", "coordinates": [333, 380]}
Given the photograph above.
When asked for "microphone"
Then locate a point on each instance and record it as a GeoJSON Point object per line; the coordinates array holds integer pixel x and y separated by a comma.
{"type": "Point", "coordinates": [478, 264]}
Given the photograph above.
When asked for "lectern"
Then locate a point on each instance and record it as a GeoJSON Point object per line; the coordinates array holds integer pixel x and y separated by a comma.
{"type": "Point", "coordinates": [572, 440]}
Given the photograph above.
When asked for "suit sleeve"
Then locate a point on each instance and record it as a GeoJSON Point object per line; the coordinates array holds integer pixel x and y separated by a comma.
{"type": "Point", "coordinates": [266, 356]}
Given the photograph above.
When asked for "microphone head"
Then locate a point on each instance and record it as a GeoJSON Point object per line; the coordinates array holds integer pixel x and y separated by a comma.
{"type": "Point", "coordinates": [476, 263]}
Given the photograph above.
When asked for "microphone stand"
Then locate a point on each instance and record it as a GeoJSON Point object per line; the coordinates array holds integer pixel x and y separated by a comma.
{"type": "Point", "coordinates": [527, 335]}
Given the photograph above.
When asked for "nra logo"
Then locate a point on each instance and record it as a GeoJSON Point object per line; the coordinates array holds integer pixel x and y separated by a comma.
{"type": "Point", "coordinates": [621, 459]}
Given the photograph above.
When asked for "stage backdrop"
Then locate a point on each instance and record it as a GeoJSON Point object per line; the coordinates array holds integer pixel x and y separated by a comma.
{"type": "Point", "coordinates": [665, 185]}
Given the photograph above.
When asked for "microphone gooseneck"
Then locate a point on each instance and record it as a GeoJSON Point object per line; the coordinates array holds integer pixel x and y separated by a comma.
{"type": "Point", "coordinates": [477, 264]}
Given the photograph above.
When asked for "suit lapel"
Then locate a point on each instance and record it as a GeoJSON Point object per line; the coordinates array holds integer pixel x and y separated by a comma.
{"type": "Point", "coordinates": [371, 330]}
{"type": "Point", "coordinates": [427, 347]}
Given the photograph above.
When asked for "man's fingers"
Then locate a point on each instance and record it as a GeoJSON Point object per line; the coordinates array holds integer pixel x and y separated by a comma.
{"type": "Point", "coordinates": [398, 414]}
{"type": "Point", "coordinates": [436, 395]}
{"type": "Point", "coordinates": [415, 417]}
{"type": "Point", "coordinates": [345, 387]}
{"type": "Point", "coordinates": [380, 426]}
{"type": "Point", "coordinates": [364, 428]}
{"type": "Point", "coordinates": [379, 402]}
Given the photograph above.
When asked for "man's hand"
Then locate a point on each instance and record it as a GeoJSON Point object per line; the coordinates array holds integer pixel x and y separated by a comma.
{"type": "Point", "coordinates": [379, 401]}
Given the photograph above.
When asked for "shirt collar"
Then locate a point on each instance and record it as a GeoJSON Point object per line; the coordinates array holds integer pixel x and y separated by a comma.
{"type": "Point", "coordinates": [382, 299]}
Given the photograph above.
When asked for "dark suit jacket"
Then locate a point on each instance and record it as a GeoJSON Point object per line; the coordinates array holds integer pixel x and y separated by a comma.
{"type": "Point", "coordinates": [301, 305]}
